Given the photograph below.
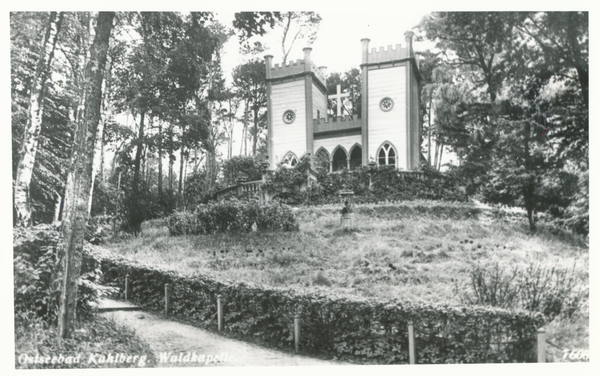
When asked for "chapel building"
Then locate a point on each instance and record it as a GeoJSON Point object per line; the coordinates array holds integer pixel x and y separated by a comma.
{"type": "Point", "coordinates": [388, 131]}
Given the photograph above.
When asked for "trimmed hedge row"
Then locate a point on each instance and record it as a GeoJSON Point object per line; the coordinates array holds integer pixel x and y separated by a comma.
{"type": "Point", "coordinates": [364, 330]}
{"type": "Point", "coordinates": [386, 183]}
{"type": "Point", "coordinates": [402, 209]}
{"type": "Point", "coordinates": [233, 215]}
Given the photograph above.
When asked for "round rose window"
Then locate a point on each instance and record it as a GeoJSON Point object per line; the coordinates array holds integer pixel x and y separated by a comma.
{"type": "Point", "coordinates": [386, 104]}
{"type": "Point", "coordinates": [289, 116]}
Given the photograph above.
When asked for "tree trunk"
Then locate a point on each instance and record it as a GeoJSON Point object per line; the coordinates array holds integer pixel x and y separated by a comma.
{"type": "Point", "coordinates": [183, 187]}
{"type": "Point", "coordinates": [180, 172]}
{"type": "Point", "coordinates": [211, 166]}
{"type": "Point", "coordinates": [583, 76]}
{"type": "Point", "coordinates": [245, 130]}
{"type": "Point", "coordinates": [160, 158]}
{"type": "Point", "coordinates": [171, 173]}
{"type": "Point", "coordinates": [97, 162]}
{"type": "Point", "coordinates": [57, 208]}
{"type": "Point", "coordinates": [171, 157]}
{"type": "Point", "coordinates": [73, 227]}
{"type": "Point", "coordinates": [429, 132]}
{"type": "Point", "coordinates": [31, 135]}
{"type": "Point", "coordinates": [529, 186]}
{"type": "Point", "coordinates": [435, 158]}
{"type": "Point", "coordinates": [255, 135]}
{"type": "Point", "coordinates": [145, 177]}
{"type": "Point", "coordinates": [138, 153]}
{"type": "Point", "coordinates": [441, 152]}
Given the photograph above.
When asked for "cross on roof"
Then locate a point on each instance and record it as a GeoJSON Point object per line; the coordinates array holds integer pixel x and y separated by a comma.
{"type": "Point", "coordinates": [338, 98]}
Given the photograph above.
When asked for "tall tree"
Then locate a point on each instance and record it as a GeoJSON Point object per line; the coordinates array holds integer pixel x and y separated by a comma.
{"type": "Point", "coordinates": [249, 81]}
{"type": "Point", "coordinates": [251, 24]}
{"type": "Point", "coordinates": [428, 62]}
{"type": "Point", "coordinates": [140, 77]}
{"type": "Point", "coordinates": [31, 135]}
{"type": "Point", "coordinates": [560, 47]}
{"type": "Point", "coordinates": [73, 227]}
{"type": "Point", "coordinates": [296, 26]}
{"type": "Point", "coordinates": [564, 41]}
{"type": "Point", "coordinates": [481, 40]}
{"type": "Point", "coordinates": [227, 113]}
{"type": "Point", "coordinates": [523, 127]}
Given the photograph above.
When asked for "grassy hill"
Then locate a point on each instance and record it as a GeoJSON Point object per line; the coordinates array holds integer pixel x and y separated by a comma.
{"type": "Point", "coordinates": [419, 251]}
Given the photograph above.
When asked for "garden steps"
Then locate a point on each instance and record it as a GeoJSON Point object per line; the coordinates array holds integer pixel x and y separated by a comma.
{"type": "Point", "coordinates": [110, 305]}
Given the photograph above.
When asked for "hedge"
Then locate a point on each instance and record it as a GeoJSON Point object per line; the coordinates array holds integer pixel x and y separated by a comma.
{"type": "Point", "coordinates": [401, 209]}
{"type": "Point", "coordinates": [382, 183]}
{"type": "Point", "coordinates": [363, 330]}
{"type": "Point", "coordinates": [233, 215]}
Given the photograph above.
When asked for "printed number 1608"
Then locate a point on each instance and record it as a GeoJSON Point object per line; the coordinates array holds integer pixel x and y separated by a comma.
{"type": "Point", "coordinates": [576, 354]}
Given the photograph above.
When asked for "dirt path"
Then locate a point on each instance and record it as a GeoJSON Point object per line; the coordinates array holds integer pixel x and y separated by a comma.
{"type": "Point", "coordinates": [179, 340]}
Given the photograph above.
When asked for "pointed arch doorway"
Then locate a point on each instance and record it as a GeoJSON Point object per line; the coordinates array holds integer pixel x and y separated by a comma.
{"type": "Point", "coordinates": [355, 157]}
{"type": "Point", "coordinates": [339, 160]}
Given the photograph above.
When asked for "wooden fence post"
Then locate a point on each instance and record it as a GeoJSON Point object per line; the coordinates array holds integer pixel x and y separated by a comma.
{"type": "Point", "coordinates": [219, 312]}
{"type": "Point", "coordinates": [541, 345]}
{"type": "Point", "coordinates": [411, 343]}
{"type": "Point", "coordinates": [297, 332]}
{"type": "Point", "coordinates": [127, 287]}
{"type": "Point", "coordinates": [167, 298]}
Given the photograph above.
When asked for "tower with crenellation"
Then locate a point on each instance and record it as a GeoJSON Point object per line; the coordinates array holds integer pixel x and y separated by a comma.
{"type": "Point", "coordinates": [388, 131]}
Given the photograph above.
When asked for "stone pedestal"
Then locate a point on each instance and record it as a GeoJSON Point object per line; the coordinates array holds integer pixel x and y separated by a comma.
{"type": "Point", "coordinates": [346, 220]}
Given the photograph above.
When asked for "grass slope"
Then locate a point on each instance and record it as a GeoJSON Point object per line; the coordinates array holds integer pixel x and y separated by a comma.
{"type": "Point", "coordinates": [412, 251]}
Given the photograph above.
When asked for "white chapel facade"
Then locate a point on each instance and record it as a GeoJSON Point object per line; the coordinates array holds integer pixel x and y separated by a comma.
{"type": "Point", "coordinates": [388, 130]}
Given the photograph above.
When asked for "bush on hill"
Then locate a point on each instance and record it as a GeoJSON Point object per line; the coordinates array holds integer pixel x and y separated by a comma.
{"type": "Point", "coordinates": [233, 215]}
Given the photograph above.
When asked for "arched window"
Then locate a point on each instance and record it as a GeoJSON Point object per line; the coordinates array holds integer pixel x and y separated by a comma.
{"type": "Point", "coordinates": [290, 160]}
{"type": "Point", "coordinates": [387, 155]}
{"type": "Point", "coordinates": [355, 157]}
{"type": "Point", "coordinates": [322, 161]}
{"type": "Point", "coordinates": [340, 159]}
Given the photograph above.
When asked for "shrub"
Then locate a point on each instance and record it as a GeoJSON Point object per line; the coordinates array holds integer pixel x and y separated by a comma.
{"type": "Point", "coordinates": [577, 214]}
{"type": "Point", "coordinates": [365, 330]}
{"type": "Point", "coordinates": [182, 223]}
{"type": "Point", "coordinates": [274, 216]}
{"type": "Point", "coordinates": [247, 165]}
{"type": "Point", "coordinates": [491, 286]}
{"type": "Point", "coordinates": [536, 288]}
{"type": "Point", "coordinates": [233, 215]}
{"type": "Point", "coordinates": [36, 283]}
